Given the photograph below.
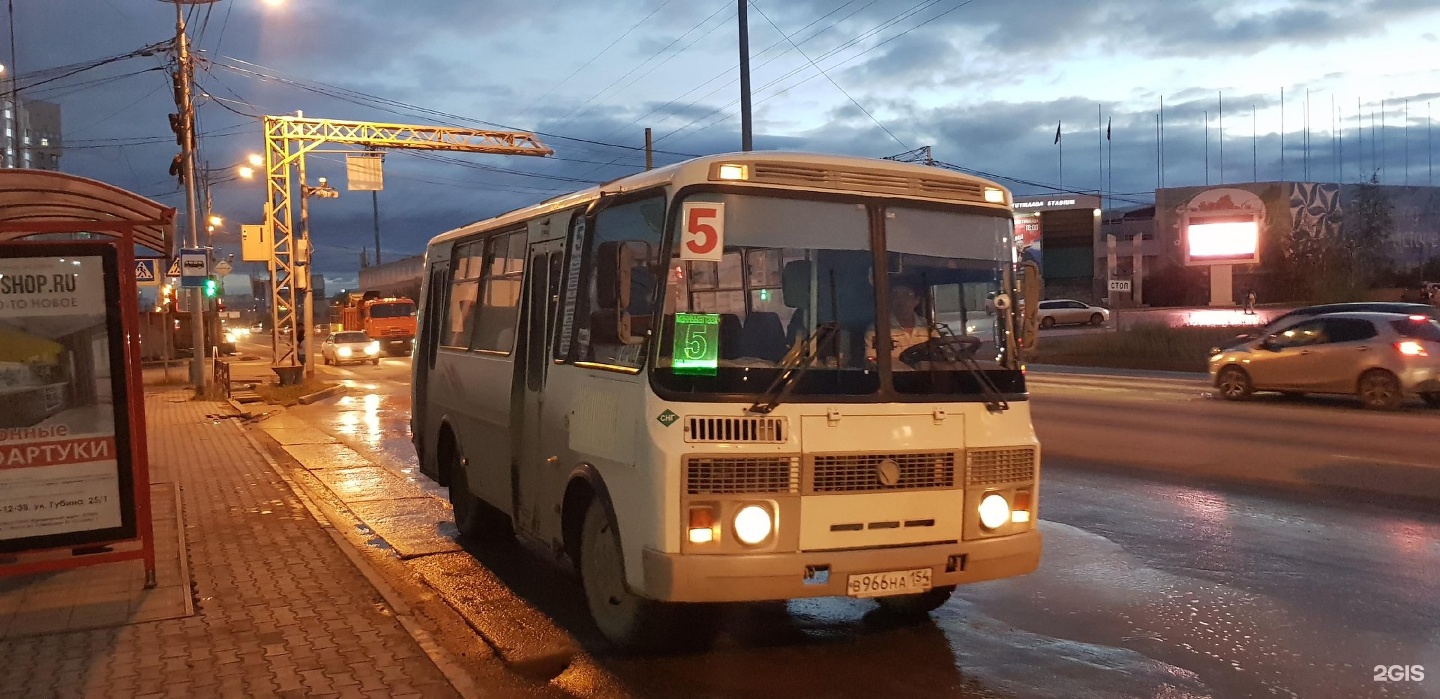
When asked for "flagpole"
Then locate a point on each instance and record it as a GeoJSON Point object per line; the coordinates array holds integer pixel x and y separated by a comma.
{"type": "Point", "coordinates": [1157, 153]}
{"type": "Point", "coordinates": [1282, 134]}
{"type": "Point", "coordinates": [1334, 133]}
{"type": "Point", "coordinates": [1059, 141]}
{"type": "Point", "coordinates": [1383, 155]}
{"type": "Point", "coordinates": [1254, 145]}
{"type": "Point", "coordinates": [1405, 137]}
{"type": "Point", "coordinates": [1100, 158]}
{"type": "Point", "coordinates": [1340, 141]}
{"type": "Point", "coordinates": [1110, 165]}
{"type": "Point", "coordinates": [1207, 146]}
{"type": "Point", "coordinates": [1305, 157]}
{"type": "Point", "coordinates": [1359, 140]}
{"type": "Point", "coordinates": [1160, 140]}
{"type": "Point", "coordinates": [1220, 101]}
{"type": "Point", "coordinates": [1429, 153]}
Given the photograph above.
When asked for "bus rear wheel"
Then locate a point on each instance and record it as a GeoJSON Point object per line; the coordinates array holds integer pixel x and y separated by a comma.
{"type": "Point", "coordinates": [626, 619]}
{"type": "Point", "coordinates": [916, 605]}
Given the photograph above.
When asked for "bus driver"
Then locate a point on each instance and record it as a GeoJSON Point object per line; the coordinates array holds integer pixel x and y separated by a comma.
{"type": "Point", "coordinates": [907, 327]}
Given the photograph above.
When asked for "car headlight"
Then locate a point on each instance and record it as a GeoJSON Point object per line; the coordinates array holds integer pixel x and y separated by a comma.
{"type": "Point", "coordinates": [230, 338]}
{"type": "Point", "coordinates": [344, 351]}
{"type": "Point", "coordinates": [994, 511]}
{"type": "Point", "coordinates": [373, 348]}
{"type": "Point", "coordinates": [753, 525]}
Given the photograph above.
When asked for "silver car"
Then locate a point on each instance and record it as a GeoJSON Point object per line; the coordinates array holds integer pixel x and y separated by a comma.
{"type": "Point", "coordinates": [1069, 311]}
{"type": "Point", "coordinates": [350, 346]}
{"type": "Point", "coordinates": [1381, 358]}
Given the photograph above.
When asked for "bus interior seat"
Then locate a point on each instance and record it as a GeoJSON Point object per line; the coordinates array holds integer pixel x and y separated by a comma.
{"type": "Point", "coordinates": [763, 336]}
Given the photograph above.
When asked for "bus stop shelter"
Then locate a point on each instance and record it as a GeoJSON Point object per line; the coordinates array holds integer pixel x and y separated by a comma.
{"type": "Point", "coordinates": [68, 247]}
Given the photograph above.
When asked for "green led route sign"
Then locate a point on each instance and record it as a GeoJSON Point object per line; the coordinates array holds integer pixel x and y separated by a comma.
{"type": "Point", "coordinates": [697, 344]}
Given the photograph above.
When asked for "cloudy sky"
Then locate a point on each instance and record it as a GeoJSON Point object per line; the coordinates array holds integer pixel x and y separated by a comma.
{"type": "Point", "coordinates": [984, 82]}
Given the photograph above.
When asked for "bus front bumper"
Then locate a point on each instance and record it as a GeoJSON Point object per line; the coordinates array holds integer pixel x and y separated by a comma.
{"type": "Point", "coordinates": [774, 576]}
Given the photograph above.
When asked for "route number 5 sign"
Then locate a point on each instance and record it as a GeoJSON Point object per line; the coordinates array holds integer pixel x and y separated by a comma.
{"type": "Point", "coordinates": [702, 236]}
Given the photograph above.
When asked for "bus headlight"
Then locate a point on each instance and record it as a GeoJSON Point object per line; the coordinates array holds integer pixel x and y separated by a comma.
{"type": "Point", "coordinates": [994, 511]}
{"type": "Point", "coordinates": [753, 524]}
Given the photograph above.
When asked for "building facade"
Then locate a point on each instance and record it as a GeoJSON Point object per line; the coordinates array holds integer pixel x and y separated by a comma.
{"type": "Point", "coordinates": [32, 134]}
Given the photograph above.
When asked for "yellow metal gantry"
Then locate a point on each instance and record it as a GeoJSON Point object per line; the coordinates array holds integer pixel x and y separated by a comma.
{"type": "Point", "coordinates": [287, 140]}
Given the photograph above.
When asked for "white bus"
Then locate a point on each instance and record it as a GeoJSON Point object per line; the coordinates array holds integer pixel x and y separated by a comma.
{"type": "Point", "coordinates": [676, 382]}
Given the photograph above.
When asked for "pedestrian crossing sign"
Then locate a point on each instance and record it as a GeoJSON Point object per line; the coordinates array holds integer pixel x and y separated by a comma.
{"type": "Point", "coordinates": [174, 270]}
{"type": "Point", "coordinates": [145, 272]}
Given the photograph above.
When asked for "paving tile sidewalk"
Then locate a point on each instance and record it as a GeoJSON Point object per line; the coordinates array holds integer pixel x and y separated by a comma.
{"type": "Point", "coordinates": [278, 607]}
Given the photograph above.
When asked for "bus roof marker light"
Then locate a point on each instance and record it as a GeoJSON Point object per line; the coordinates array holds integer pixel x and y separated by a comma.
{"type": "Point", "coordinates": [994, 196]}
{"type": "Point", "coordinates": [733, 172]}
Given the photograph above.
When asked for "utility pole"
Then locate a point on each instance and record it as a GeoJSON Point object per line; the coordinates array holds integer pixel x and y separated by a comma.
{"type": "Point", "coordinates": [746, 143]}
{"type": "Point", "coordinates": [187, 153]}
{"type": "Point", "coordinates": [375, 207]}
{"type": "Point", "coordinates": [649, 150]}
{"type": "Point", "coordinates": [306, 276]}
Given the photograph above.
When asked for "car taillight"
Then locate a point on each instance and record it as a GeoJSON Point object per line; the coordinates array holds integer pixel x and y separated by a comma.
{"type": "Point", "coordinates": [1411, 348]}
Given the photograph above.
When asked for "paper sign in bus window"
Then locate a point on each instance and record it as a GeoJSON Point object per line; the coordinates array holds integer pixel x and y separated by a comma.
{"type": "Point", "coordinates": [697, 344]}
{"type": "Point", "coordinates": [702, 232]}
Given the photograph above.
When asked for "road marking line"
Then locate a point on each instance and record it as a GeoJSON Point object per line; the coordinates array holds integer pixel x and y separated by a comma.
{"type": "Point", "coordinates": [1385, 462]}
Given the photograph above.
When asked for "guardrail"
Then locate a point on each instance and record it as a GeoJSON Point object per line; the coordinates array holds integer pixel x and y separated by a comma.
{"type": "Point", "coordinates": [220, 369]}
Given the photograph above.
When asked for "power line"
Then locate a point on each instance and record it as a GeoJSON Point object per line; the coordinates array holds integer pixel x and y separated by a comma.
{"type": "Point", "coordinates": [566, 119]}
{"type": "Point", "coordinates": [602, 52]}
{"type": "Point", "coordinates": [827, 77]}
{"type": "Point", "coordinates": [906, 14]}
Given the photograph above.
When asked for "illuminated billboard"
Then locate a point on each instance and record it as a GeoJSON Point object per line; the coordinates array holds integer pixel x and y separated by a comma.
{"type": "Point", "coordinates": [1228, 240]}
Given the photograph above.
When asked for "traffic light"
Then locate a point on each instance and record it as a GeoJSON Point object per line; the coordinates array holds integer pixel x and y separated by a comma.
{"type": "Point", "coordinates": [212, 287]}
{"type": "Point", "coordinates": [177, 168]}
{"type": "Point", "coordinates": [178, 128]}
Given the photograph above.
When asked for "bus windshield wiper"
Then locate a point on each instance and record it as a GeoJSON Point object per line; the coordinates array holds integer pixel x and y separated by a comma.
{"type": "Point", "coordinates": [960, 349]}
{"type": "Point", "coordinates": [792, 365]}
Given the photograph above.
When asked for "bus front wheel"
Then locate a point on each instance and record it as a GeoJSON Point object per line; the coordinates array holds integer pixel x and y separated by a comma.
{"type": "Point", "coordinates": [625, 618]}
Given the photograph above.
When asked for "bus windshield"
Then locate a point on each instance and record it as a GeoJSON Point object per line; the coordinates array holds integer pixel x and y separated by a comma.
{"type": "Point", "coordinates": [392, 310]}
{"type": "Point", "coordinates": [792, 267]}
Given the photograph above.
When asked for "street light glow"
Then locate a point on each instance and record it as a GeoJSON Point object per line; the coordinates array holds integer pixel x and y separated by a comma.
{"type": "Point", "coordinates": [255, 160]}
{"type": "Point", "coordinates": [216, 220]}
{"type": "Point", "coordinates": [247, 172]}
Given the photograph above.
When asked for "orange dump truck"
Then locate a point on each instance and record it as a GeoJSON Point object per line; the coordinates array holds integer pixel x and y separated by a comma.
{"type": "Point", "coordinates": [389, 319]}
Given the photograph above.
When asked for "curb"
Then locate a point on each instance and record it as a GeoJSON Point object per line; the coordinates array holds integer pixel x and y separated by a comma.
{"type": "Point", "coordinates": [322, 394]}
{"type": "Point", "coordinates": [1115, 372]}
{"type": "Point", "coordinates": [1422, 496]}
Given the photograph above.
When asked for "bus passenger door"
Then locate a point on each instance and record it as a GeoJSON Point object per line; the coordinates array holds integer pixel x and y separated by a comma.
{"type": "Point", "coordinates": [428, 338]}
{"type": "Point", "coordinates": [537, 426]}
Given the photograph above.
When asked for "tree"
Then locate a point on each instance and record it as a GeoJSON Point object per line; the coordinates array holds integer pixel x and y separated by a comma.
{"type": "Point", "coordinates": [1365, 235]}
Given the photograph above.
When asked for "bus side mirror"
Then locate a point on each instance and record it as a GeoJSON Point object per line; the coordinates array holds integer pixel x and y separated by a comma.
{"type": "Point", "coordinates": [1031, 291]}
{"type": "Point", "coordinates": [624, 292]}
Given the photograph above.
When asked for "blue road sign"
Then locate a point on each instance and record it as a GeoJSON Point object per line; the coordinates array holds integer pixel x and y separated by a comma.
{"type": "Point", "coordinates": [194, 267]}
{"type": "Point", "coordinates": [146, 272]}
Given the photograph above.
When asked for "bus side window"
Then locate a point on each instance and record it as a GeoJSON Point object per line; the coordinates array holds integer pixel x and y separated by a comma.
{"type": "Point", "coordinates": [499, 310]}
{"type": "Point", "coordinates": [623, 251]}
{"type": "Point", "coordinates": [464, 292]}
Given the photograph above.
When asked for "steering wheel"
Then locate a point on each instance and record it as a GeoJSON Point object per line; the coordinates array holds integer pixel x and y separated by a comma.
{"type": "Point", "coordinates": [941, 349]}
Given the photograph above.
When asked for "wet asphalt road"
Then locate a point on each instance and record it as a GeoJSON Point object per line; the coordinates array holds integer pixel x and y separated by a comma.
{"type": "Point", "coordinates": [1148, 587]}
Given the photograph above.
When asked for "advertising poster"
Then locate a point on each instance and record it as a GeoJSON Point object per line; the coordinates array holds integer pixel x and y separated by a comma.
{"type": "Point", "coordinates": [64, 476]}
{"type": "Point", "coordinates": [1028, 236]}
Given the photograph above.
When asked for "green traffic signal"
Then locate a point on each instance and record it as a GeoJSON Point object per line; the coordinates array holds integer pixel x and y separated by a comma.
{"type": "Point", "coordinates": [212, 287]}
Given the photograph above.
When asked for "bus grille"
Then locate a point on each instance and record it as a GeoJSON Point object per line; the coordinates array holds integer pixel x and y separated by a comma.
{"type": "Point", "coordinates": [736, 429]}
{"type": "Point", "coordinates": [731, 475]}
{"type": "Point", "coordinates": [996, 466]}
{"type": "Point", "coordinates": [845, 473]}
